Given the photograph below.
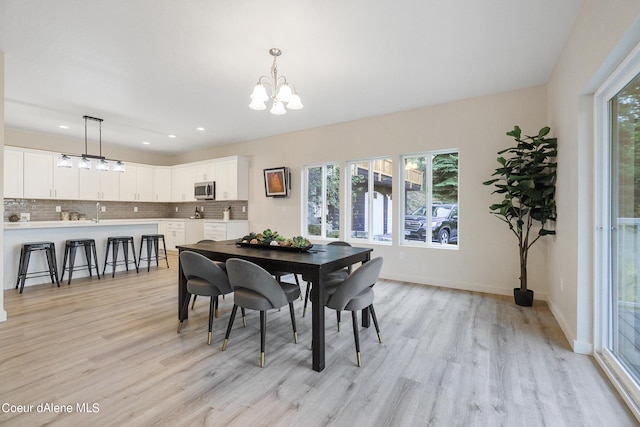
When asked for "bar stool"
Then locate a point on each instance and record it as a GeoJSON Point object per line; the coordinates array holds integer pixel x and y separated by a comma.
{"type": "Point", "coordinates": [113, 243]}
{"type": "Point", "coordinates": [152, 240]}
{"type": "Point", "coordinates": [70, 248]}
{"type": "Point", "coordinates": [25, 255]}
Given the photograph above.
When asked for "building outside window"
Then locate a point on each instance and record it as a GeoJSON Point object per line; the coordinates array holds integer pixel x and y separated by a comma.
{"type": "Point", "coordinates": [370, 209]}
{"type": "Point", "coordinates": [430, 199]}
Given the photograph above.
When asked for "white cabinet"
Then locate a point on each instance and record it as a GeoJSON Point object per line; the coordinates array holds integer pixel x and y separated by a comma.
{"type": "Point", "coordinates": [206, 172]}
{"type": "Point", "coordinates": [182, 180]}
{"type": "Point", "coordinates": [13, 173]}
{"type": "Point", "coordinates": [174, 233]}
{"type": "Point", "coordinates": [99, 185]}
{"type": "Point", "coordinates": [43, 179]}
{"type": "Point", "coordinates": [136, 183]}
{"type": "Point", "coordinates": [232, 179]}
{"type": "Point", "coordinates": [225, 230]}
{"type": "Point", "coordinates": [161, 184]}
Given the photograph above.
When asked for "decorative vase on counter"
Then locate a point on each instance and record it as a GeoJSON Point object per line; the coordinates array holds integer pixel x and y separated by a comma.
{"type": "Point", "coordinates": [14, 218]}
{"type": "Point", "coordinates": [64, 216]}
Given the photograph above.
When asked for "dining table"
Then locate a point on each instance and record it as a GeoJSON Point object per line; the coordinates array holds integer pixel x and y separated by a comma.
{"type": "Point", "coordinates": [314, 263]}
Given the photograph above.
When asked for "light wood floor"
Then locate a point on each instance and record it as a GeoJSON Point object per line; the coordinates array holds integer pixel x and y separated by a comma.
{"type": "Point", "coordinates": [448, 358]}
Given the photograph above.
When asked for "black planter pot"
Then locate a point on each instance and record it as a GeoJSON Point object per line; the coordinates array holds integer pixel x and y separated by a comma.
{"type": "Point", "coordinates": [524, 299]}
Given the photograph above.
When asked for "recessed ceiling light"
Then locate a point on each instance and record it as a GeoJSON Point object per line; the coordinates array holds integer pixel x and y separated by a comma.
{"type": "Point", "coordinates": [200, 128]}
{"type": "Point", "coordinates": [63, 127]}
{"type": "Point", "coordinates": [172, 136]}
{"type": "Point", "coordinates": [146, 142]}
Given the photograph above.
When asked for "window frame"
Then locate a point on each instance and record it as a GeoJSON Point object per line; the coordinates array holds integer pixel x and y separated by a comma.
{"type": "Point", "coordinates": [324, 207]}
{"type": "Point", "coordinates": [370, 189]}
{"type": "Point", "coordinates": [402, 240]}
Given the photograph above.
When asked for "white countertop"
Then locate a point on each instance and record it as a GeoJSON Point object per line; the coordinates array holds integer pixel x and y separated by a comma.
{"type": "Point", "coordinates": [101, 223]}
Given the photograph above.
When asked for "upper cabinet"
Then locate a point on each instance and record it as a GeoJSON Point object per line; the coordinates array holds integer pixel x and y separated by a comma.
{"type": "Point", "coordinates": [161, 184]}
{"type": "Point", "coordinates": [99, 185]}
{"type": "Point", "coordinates": [232, 178]}
{"type": "Point", "coordinates": [35, 174]}
{"type": "Point", "coordinates": [43, 179]}
{"type": "Point", "coordinates": [206, 172]}
{"type": "Point", "coordinates": [13, 173]}
{"type": "Point", "coordinates": [136, 183]}
{"type": "Point", "coordinates": [182, 180]}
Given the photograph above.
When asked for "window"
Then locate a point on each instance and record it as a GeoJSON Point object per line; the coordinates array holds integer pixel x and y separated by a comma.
{"type": "Point", "coordinates": [370, 184]}
{"type": "Point", "coordinates": [322, 211]}
{"type": "Point", "coordinates": [430, 199]}
{"type": "Point", "coordinates": [617, 241]}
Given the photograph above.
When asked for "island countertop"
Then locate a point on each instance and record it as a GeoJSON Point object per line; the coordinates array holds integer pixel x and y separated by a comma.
{"type": "Point", "coordinates": [103, 222]}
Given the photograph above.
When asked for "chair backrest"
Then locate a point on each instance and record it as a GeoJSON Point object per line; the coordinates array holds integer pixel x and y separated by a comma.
{"type": "Point", "coordinates": [356, 282]}
{"type": "Point", "coordinates": [206, 241]}
{"type": "Point", "coordinates": [339, 243]}
{"type": "Point", "coordinates": [195, 265]}
{"type": "Point", "coordinates": [247, 275]}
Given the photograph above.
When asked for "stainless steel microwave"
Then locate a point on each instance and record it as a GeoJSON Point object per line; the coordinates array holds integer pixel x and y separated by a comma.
{"type": "Point", "coordinates": [205, 190]}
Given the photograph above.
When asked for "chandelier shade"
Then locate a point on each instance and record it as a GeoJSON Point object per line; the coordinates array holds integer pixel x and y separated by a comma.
{"type": "Point", "coordinates": [282, 92]}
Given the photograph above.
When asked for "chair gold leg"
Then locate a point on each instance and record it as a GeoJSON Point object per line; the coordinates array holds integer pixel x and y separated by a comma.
{"type": "Point", "coordinates": [338, 326]}
{"type": "Point", "coordinates": [358, 357]}
{"type": "Point", "coordinates": [179, 326]}
{"type": "Point", "coordinates": [224, 344]}
{"type": "Point", "coordinates": [295, 337]}
{"type": "Point", "coordinates": [215, 313]}
{"type": "Point", "coordinates": [209, 339]}
{"type": "Point", "coordinates": [262, 359]}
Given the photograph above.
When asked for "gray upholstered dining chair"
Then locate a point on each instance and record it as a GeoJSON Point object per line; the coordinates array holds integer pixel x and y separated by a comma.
{"type": "Point", "coordinates": [255, 288]}
{"type": "Point", "coordinates": [355, 293]}
{"type": "Point", "coordinates": [206, 278]}
{"type": "Point", "coordinates": [218, 263]}
{"type": "Point", "coordinates": [340, 274]}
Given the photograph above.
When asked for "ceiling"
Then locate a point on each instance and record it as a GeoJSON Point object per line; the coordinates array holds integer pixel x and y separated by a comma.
{"type": "Point", "coordinates": [150, 68]}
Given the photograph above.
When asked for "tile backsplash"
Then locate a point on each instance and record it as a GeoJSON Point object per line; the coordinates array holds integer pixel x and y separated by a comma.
{"type": "Point", "coordinates": [45, 210]}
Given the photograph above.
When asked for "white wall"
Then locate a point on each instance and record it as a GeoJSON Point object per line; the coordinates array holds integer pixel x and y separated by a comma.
{"type": "Point", "coordinates": [602, 35]}
{"type": "Point", "coordinates": [487, 257]}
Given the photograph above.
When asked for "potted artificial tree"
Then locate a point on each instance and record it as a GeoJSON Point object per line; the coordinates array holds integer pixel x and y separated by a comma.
{"type": "Point", "coordinates": [526, 179]}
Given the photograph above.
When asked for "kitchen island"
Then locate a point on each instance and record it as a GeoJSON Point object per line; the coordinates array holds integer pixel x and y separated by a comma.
{"type": "Point", "coordinates": [17, 233]}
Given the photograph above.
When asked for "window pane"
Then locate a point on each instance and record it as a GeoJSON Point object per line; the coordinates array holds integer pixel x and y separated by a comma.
{"type": "Point", "coordinates": [415, 200]}
{"type": "Point", "coordinates": [314, 201]}
{"type": "Point", "coordinates": [625, 220]}
{"type": "Point", "coordinates": [332, 197]}
{"type": "Point", "coordinates": [359, 174]}
{"type": "Point", "coordinates": [382, 217]}
{"type": "Point", "coordinates": [444, 215]}
{"type": "Point", "coordinates": [371, 192]}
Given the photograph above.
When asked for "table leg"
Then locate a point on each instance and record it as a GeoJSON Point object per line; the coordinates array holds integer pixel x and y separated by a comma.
{"type": "Point", "coordinates": [182, 292]}
{"type": "Point", "coordinates": [317, 321]}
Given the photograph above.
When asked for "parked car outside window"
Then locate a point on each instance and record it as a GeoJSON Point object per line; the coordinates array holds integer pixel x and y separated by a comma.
{"type": "Point", "coordinates": [444, 224]}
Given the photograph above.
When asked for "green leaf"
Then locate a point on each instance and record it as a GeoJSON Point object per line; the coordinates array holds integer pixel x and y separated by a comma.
{"type": "Point", "coordinates": [516, 132]}
{"type": "Point", "coordinates": [544, 131]}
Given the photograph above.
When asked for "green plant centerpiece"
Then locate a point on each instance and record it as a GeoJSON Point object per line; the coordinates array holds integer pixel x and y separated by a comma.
{"type": "Point", "coordinates": [526, 179]}
{"type": "Point", "coordinates": [272, 238]}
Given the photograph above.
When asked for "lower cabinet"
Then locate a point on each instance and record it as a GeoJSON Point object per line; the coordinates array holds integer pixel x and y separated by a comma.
{"type": "Point", "coordinates": [225, 230]}
{"type": "Point", "coordinates": [174, 233]}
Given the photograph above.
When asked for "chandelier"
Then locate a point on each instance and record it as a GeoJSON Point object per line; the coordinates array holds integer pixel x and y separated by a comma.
{"type": "Point", "coordinates": [282, 92]}
{"type": "Point", "coordinates": [64, 161]}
